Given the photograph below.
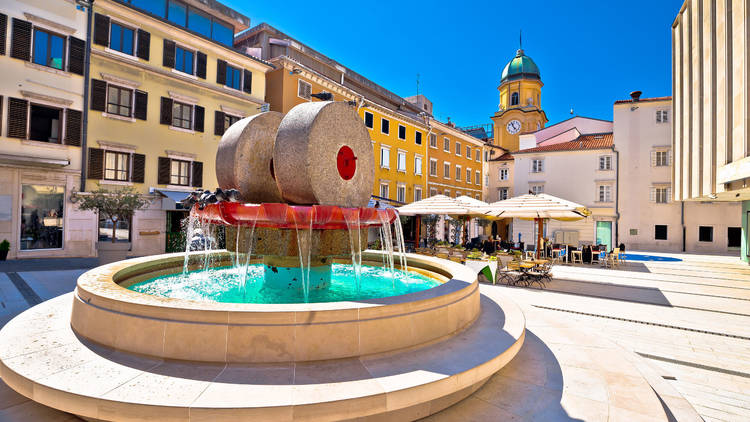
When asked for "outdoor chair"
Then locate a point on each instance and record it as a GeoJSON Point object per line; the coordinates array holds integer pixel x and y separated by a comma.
{"type": "Point", "coordinates": [558, 256]}
{"type": "Point", "coordinates": [614, 258]}
{"type": "Point", "coordinates": [603, 259]}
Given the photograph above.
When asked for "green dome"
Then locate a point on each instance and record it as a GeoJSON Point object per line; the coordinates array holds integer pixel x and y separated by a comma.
{"type": "Point", "coordinates": [521, 67]}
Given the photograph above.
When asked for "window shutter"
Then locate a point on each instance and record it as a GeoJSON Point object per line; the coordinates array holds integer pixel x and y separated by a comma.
{"type": "Point", "coordinates": [218, 123]}
{"type": "Point", "coordinates": [652, 194]}
{"type": "Point", "coordinates": [20, 43]}
{"type": "Point", "coordinates": [101, 29]}
{"type": "Point", "coordinates": [653, 158]}
{"type": "Point", "coordinates": [96, 164]}
{"type": "Point", "coordinates": [248, 81]}
{"type": "Point", "coordinates": [17, 117]}
{"type": "Point", "coordinates": [73, 127]}
{"type": "Point", "coordinates": [200, 65]}
{"type": "Point", "coordinates": [669, 195]}
{"type": "Point", "coordinates": [144, 45]}
{"type": "Point", "coordinates": [141, 105]}
{"type": "Point", "coordinates": [221, 72]}
{"type": "Point", "coordinates": [139, 168]}
{"type": "Point", "coordinates": [76, 55]}
{"type": "Point", "coordinates": [199, 118]}
{"type": "Point", "coordinates": [166, 111]}
{"type": "Point", "coordinates": [98, 95]}
{"type": "Point", "coordinates": [1, 114]}
{"type": "Point", "coordinates": [669, 157]}
{"type": "Point", "coordinates": [3, 32]}
{"type": "Point", "coordinates": [169, 51]}
{"type": "Point", "coordinates": [197, 174]}
{"type": "Point", "coordinates": [164, 170]}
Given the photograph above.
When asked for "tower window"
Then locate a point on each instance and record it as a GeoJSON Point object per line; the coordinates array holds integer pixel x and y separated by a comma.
{"type": "Point", "coordinates": [514, 99]}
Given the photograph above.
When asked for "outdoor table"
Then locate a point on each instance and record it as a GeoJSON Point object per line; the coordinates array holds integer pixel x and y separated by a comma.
{"type": "Point", "coordinates": [576, 256]}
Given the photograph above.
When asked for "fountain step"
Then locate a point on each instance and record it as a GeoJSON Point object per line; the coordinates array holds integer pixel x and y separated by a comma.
{"type": "Point", "coordinates": [43, 359]}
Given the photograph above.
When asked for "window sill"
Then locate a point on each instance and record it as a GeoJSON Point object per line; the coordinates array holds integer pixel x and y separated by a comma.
{"type": "Point", "coordinates": [179, 129]}
{"type": "Point", "coordinates": [434, 147]}
{"type": "Point", "coordinates": [115, 182]}
{"type": "Point", "coordinates": [401, 139]}
{"type": "Point", "coordinates": [183, 74]}
{"type": "Point", "coordinates": [229, 88]}
{"type": "Point", "coordinates": [418, 174]}
{"type": "Point", "coordinates": [47, 69]}
{"type": "Point", "coordinates": [121, 54]}
{"type": "Point", "coordinates": [118, 117]}
{"type": "Point", "coordinates": [384, 168]}
{"type": "Point", "coordinates": [401, 171]}
{"type": "Point", "coordinates": [50, 145]}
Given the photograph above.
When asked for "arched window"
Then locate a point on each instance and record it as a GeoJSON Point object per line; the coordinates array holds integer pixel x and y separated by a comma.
{"type": "Point", "coordinates": [514, 99]}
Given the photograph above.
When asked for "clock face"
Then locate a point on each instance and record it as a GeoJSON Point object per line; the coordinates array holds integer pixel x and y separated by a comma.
{"type": "Point", "coordinates": [513, 127]}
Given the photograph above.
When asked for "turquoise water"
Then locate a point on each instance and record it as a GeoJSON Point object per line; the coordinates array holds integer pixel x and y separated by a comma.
{"type": "Point", "coordinates": [223, 284]}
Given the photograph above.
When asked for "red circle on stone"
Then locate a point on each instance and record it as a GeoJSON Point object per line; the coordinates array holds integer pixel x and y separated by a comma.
{"type": "Point", "coordinates": [346, 163]}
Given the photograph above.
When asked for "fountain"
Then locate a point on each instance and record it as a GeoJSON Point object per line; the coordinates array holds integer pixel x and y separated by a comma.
{"type": "Point", "coordinates": [293, 320]}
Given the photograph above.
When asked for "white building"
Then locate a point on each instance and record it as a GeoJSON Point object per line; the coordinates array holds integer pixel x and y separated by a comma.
{"type": "Point", "coordinates": [41, 98]}
{"type": "Point", "coordinates": [650, 218]}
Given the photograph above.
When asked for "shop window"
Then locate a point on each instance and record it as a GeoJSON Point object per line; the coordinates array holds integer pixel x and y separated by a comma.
{"type": "Point", "coordinates": [49, 49]}
{"type": "Point", "coordinates": [120, 230]}
{"type": "Point", "coordinates": [183, 60]}
{"type": "Point", "coordinates": [121, 38]}
{"type": "Point", "coordinates": [182, 115]}
{"type": "Point", "coordinates": [179, 173]}
{"type": "Point", "coordinates": [45, 124]}
{"type": "Point", "coordinates": [116, 166]}
{"type": "Point", "coordinates": [705, 234]}
{"type": "Point", "coordinates": [119, 100]}
{"type": "Point", "coordinates": [42, 217]}
{"type": "Point", "coordinates": [734, 237]}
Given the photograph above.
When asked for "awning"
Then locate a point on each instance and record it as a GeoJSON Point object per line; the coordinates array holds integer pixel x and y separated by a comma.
{"type": "Point", "coordinates": [174, 196]}
{"type": "Point", "coordinates": [35, 161]}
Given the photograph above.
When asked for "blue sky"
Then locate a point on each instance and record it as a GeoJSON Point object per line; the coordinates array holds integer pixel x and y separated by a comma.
{"type": "Point", "coordinates": [590, 53]}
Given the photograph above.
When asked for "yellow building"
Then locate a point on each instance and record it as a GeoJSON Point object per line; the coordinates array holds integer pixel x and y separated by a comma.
{"type": "Point", "coordinates": [455, 162]}
{"type": "Point", "coordinates": [165, 82]}
{"type": "Point", "coordinates": [520, 110]}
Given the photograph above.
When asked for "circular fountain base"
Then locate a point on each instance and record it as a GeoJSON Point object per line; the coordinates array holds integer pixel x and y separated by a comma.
{"type": "Point", "coordinates": [43, 358]}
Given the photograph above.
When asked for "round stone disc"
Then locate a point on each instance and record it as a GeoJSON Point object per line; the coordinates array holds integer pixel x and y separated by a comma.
{"type": "Point", "coordinates": [323, 155]}
{"type": "Point", "coordinates": [243, 159]}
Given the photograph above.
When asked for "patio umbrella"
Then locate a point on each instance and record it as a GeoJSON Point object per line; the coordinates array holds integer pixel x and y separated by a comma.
{"type": "Point", "coordinates": [439, 205]}
{"type": "Point", "coordinates": [538, 208]}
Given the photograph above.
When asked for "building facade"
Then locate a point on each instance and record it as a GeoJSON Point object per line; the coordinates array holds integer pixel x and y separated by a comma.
{"type": "Point", "coordinates": [651, 219]}
{"type": "Point", "coordinates": [165, 84]}
{"type": "Point", "coordinates": [711, 102]}
{"type": "Point", "coordinates": [42, 54]}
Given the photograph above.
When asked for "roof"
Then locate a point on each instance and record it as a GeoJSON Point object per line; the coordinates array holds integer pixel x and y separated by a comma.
{"type": "Point", "coordinates": [643, 100]}
{"type": "Point", "coordinates": [520, 67]}
{"type": "Point", "coordinates": [583, 142]}
{"type": "Point", "coordinates": [505, 157]}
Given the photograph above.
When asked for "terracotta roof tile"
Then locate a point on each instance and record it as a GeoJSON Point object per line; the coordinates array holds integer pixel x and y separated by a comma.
{"type": "Point", "coordinates": [643, 100]}
{"type": "Point", "coordinates": [505, 157]}
{"type": "Point", "coordinates": [583, 142]}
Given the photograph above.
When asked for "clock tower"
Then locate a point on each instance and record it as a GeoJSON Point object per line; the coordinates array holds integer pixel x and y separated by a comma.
{"type": "Point", "coordinates": [520, 109]}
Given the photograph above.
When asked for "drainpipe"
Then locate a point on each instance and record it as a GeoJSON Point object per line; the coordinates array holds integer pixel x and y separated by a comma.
{"type": "Point", "coordinates": [682, 222]}
{"type": "Point", "coordinates": [86, 79]}
{"type": "Point", "coordinates": [617, 197]}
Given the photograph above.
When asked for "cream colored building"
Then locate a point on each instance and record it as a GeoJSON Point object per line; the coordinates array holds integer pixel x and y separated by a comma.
{"type": "Point", "coordinates": [42, 58]}
{"type": "Point", "coordinates": [650, 218]}
{"type": "Point", "coordinates": [711, 101]}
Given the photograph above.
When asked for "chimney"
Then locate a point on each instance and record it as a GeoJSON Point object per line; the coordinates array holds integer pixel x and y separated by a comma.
{"type": "Point", "coordinates": [636, 96]}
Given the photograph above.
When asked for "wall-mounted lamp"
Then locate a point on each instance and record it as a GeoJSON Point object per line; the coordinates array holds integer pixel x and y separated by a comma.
{"type": "Point", "coordinates": [323, 96]}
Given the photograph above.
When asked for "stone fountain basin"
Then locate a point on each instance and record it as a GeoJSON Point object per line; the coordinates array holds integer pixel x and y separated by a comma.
{"type": "Point", "coordinates": [106, 312]}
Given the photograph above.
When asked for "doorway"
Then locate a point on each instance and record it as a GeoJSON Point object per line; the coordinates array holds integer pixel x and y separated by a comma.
{"type": "Point", "coordinates": [604, 233]}
{"type": "Point", "coordinates": [175, 239]}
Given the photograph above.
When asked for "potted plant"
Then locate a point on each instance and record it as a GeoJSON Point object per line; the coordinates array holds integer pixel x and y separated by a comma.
{"type": "Point", "coordinates": [114, 206]}
{"type": "Point", "coordinates": [4, 248]}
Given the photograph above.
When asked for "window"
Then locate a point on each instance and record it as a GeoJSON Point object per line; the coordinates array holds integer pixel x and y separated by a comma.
{"type": "Point", "coordinates": [468, 176]}
{"type": "Point", "coordinates": [660, 232]}
{"type": "Point", "coordinates": [121, 230]}
{"type": "Point", "coordinates": [401, 132]}
{"type": "Point", "coordinates": [199, 22]}
{"type": "Point", "coordinates": [385, 158]}
{"type": "Point", "coordinates": [458, 172]}
{"type": "Point", "coordinates": [447, 192]}
{"type": "Point", "coordinates": [433, 192]}
{"type": "Point", "coordinates": [418, 165]}
{"type": "Point", "coordinates": [156, 7]}
{"type": "Point", "coordinates": [660, 195]}
{"type": "Point", "coordinates": [433, 140]}
{"type": "Point", "coordinates": [417, 193]}
{"type": "Point", "coordinates": [401, 161]}
{"type": "Point", "coordinates": [121, 38]}
{"type": "Point", "coordinates": [468, 152]}
{"type": "Point", "coordinates": [478, 155]}
{"type": "Point", "coordinates": [446, 145]}
{"type": "Point", "coordinates": [705, 234]}
{"type": "Point", "coordinates": [514, 99]}
{"type": "Point", "coordinates": [179, 172]}
{"type": "Point", "coordinates": [433, 167]}
{"type": "Point", "coordinates": [49, 49]}
{"type": "Point", "coordinates": [116, 165]}
{"type": "Point", "coordinates": [41, 217]}
{"type": "Point", "coordinates": [734, 237]}
{"type": "Point", "coordinates": [458, 148]}
{"type": "Point", "coordinates": [385, 126]}
{"type": "Point", "coordinates": [634, 232]}
{"type": "Point", "coordinates": [418, 137]}
{"type": "Point", "coordinates": [304, 90]}
{"type": "Point", "coordinates": [503, 174]}
{"type": "Point", "coordinates": [659, 158]}
{"type": "Point", "coordinates": [188, 17]}
{"type": "Point", "coordinates": [234, 77]}
{"type": "Point", "coordinates": [605, 162]}
{"type": "Point", "coordinates": [537, 189]}
{"type": "Point", "coordinates": [447, 170]}
{"type": "Point", "coordinates": [182, 115]}
{"type": "Point", "coordinates": [605, 193]}
{"type": "Point", "coordinates": [119, 101]}
{"type": "Point", "coordinates": [222, 33]}
{"type": "Point", "coordinates": [45, 124]}
{"type": "Point", "coordinates": [537, 166]}
{"type": "Point", "coordinates": [229, 120]}
{"type": "Point", "coordinates": [502, 194]}
{"type": "Point", "coordinates": [368, 119]}
{"type": "Point", "coordinates": [183, 60]}
{"type": "Point", "coordinates": [662, 116]}
{"type": "Point", "coordinates": [401, 193]}
{"type": "Point", "coordinates": [477, 178]}
{"type": "Point", "coordinates": [177, 13]}
{"type": "Point", "coordinates": [384, 190]}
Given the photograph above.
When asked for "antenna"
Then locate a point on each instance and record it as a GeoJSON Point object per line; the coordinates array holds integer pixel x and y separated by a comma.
{"type": "Point", "coordinates": [520, 39]}
{"type": "Point", "coordinates": [417, 83]}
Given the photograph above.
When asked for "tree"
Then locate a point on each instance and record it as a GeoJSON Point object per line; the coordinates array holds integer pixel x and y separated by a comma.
{"type": "Point", "coordinates": [113, 205]}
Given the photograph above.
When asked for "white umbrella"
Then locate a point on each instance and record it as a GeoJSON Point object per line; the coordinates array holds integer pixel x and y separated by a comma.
{"type": "Point", "coordinates": [437, 205]}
